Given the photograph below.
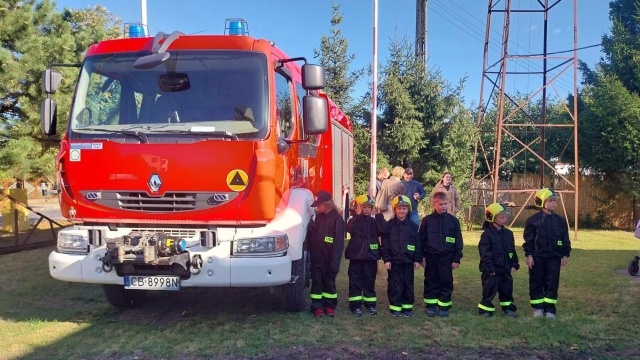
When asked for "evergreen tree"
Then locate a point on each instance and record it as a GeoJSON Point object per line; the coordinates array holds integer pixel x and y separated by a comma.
{"type": "Point", "coordinates": [334, 56]}
{"type": "Point", "coordinates": [610, 105]}
{"type": "Point", "coordinates": [424, 122]}
{"type": "Point", "coordinates": [34, 35]}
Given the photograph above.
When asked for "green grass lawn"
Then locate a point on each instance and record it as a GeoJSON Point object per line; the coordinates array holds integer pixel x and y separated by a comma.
{"type": "Point", "coordinates": [598, 309]}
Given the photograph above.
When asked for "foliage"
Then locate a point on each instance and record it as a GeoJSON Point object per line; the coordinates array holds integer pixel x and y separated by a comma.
{"type": "Point", "coordinates": [610, 105]}
{"type": "Point", "coordinates": [334, 56]}
{"type": "Point", "coordinates": [424, 123]}
{"type": "Point", "coordinates": [513, 158]}
{"type": "Point", "coordinates": [33, 36]}
{"type": "Point", "coordinates": [611, 119]}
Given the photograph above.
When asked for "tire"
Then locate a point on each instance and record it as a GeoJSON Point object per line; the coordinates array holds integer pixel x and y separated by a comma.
{"type": "Point", "coordinates": [294, 295]}
{"type": "Point", "coordinates": [120, 297]}
{"type": "Point", "coordinates": [633, 267]}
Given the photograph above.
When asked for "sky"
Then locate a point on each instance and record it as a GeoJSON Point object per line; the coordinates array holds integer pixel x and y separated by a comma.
{"type": "Point", "coordinates": [456, 31]}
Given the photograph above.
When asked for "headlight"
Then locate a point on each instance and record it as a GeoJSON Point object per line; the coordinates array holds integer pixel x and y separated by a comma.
{"type": "Point", "coordinates": [267, 244]}
{"type": "Point", "coordinates": [73, 241]}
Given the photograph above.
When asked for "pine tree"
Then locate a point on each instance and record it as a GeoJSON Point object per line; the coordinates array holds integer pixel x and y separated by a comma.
{"type": "Point", "coordinates": [34, 35]}
{"type": "Point", "coordinates": [334, 56]}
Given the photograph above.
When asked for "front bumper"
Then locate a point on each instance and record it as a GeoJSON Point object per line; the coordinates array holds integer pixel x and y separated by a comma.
{"type": "Point", "coordinates": [219, 269]}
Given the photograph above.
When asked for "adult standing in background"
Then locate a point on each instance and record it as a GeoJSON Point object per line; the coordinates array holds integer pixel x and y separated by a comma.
{"type": "Point", "coordinates": [391, 188]}
{"type": "Point", "coordinates": [383, 175]}
{"type": "Point", "coordinates": [446, 186]}
{"type": "Point", "coordinates": [414, 191]}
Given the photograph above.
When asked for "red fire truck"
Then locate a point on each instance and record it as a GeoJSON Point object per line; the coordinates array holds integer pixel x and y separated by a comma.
{"type": "Point", "coordinates": [191, 161]}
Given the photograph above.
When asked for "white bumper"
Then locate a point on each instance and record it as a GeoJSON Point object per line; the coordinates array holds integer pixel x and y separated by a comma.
{"type": "Point", "coordinates": [219, 269]}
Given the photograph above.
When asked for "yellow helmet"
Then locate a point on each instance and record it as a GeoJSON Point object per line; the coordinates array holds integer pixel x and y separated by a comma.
{"type": "Point", "coordinates": [365, 200]}
{"type": "Point", "coordinates": [542, 195]}
{"type": "Point", "coordinates": [493, 210]}
{"type": "Point", "coordinates": [401, 200]}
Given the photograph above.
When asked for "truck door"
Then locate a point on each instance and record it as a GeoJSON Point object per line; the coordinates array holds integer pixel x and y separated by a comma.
{"type": "Point", "coordinates": [342, 166]}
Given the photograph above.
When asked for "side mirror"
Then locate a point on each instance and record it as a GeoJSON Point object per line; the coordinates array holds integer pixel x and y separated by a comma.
{"type": "Point", "coordinates": [315, 114]}
{"type": "Point", "coordinates": [50, 81]}
{"type": "Point", "coordinates": [313, 77]}
{"type": "Point", "coordinates": [48, 116]}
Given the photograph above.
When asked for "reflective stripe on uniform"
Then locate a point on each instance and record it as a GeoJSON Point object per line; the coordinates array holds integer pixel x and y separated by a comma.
{"type": "Point", "coordinates": [431, 301]}
{"type": "Point", "coordinates": [550, 301]}
{"type": "Point", "coordinates": [440, 303]}
{"type": "Point", "coordinates": [373, 299]}
{"type": "Point", "coordinates": [486, 308]}
{"type": "Point", "coordinates": [536, 301]}
{"type": "Point", "coordinates": [330, 296]}
{"type": "Point", "coordinates": [355, 298]}
{"type": "Point", "coordinates": [316, 296]}
{"type": "Point", "coordinates": [506, 303]}
{"type": "Point", "coordinates": [407, 306]}
{"type": "Point", "coordinates": [395, 308]}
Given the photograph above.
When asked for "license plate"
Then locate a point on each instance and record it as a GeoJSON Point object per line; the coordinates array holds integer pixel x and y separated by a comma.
{"type": "Point", "coordinates": [171, 283]}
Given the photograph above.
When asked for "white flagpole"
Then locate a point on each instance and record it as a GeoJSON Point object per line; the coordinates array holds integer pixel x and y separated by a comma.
{"type": "Point", "coordinates": [143, 6]}
{"type": "Point", "coordinates": [374, 102]}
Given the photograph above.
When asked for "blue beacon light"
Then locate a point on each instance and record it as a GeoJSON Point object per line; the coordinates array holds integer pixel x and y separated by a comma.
{"type": "Point", "coordinates": [136, 31]}
{"type": "Point", "coordinates": [236, 28]}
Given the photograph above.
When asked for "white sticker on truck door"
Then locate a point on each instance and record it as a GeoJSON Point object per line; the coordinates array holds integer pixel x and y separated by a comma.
{"type": "Point", "coordinates": [74, 155]}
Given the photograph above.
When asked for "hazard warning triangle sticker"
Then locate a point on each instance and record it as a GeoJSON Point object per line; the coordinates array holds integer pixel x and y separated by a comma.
{"type": "Point", "coordinates": [237, 180]}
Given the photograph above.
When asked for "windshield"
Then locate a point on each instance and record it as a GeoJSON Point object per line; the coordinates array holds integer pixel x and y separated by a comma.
{"type": "Point", "coordinates": [217, 92]}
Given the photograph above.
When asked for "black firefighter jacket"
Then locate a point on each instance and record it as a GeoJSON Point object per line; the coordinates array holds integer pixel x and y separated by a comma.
{"type": "Point", "coordinates": [326, 241]}
{"type": "Point", "coordinates": [364, 232]}
{"type": "Point", "coordinates": [441, 234]}
{"type": "Point", "coordinates": [497, 251]}
{"type": "Point", "coordinates": [546, 235]}
{"type": "Point", "coordinates": [400, 243]}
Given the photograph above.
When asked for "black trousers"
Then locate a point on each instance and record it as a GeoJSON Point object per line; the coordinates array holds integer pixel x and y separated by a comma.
{"type": "Point", "coordinates": [544, 280]}
{"type": "Point", "coordinates": [400, 287]}
{"type": "Point", "coordinates": [438, 280]}
{"type": "Point", "coordinates": [362, 283]}
{"type": "Point", "coordinates": [323, 289]}
{"type": "Point", "coordinates": [500, 283]}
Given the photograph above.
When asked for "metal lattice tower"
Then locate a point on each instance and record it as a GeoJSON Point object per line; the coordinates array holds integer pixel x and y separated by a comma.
{"type": "Point", "coordinates": [512, 120]}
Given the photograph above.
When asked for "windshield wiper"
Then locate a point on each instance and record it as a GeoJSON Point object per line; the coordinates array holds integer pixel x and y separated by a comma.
{"type": "Point", "coordinates": [139, 135]}
{"type": "Point", "coordinates": [220, 134]}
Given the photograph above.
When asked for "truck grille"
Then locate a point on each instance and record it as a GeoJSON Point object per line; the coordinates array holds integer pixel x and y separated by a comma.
{"type": "Point", "coordinates": [169, 202]}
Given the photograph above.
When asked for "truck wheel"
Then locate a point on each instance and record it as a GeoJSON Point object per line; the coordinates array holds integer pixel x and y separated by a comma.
{"type": "Point", "coordinates": [633, 267]}
{"type": "Point", "coordinates": [294, 295]}
{"type": "Point", "coordinates": [120, 297]}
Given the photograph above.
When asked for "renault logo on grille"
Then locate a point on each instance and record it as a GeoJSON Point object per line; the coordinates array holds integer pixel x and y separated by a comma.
{"type": "Point", "coordinates": [155, 183]}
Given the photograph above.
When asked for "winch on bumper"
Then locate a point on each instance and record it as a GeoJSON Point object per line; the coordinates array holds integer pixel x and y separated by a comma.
{"type": "Point", "coordinates": [150, 254]}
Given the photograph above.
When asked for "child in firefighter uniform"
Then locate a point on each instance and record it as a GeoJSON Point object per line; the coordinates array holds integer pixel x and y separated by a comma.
{"type": "Point", "coordinates": [363, 254]}
{"type": "Point", "coordinates": [441, 242]}
{"type": "Point", "coordinates": [547, 248]}
{"type": "Point", "coordinates": [326, 241]}
{"type": "Point", "coordinates": [401, 254]}
{"type": "Point", "coordinates": [498, 259]}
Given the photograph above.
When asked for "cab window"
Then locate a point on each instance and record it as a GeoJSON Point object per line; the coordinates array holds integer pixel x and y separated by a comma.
{"type": "Point", "coordinates": [284, 107]}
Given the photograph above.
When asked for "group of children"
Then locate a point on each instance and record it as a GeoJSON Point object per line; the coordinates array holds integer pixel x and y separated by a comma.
{"type": "Point", "coordinates": [436, 245]}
